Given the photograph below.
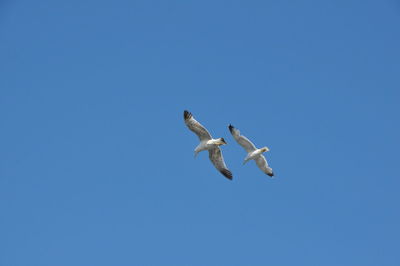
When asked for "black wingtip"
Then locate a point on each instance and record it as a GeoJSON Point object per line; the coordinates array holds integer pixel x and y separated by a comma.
{"type": "Point", "coordinates": [187, 114]}
{"type": "Point", "coordinates": [271, 174]}
{"type": "Point", "coordinates": [227, 174]}
{"type": "Point", "coordinates": [231, 128]}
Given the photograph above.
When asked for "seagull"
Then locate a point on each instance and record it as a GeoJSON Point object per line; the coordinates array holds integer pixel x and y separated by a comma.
{"type": "Point", "coordinates": [207, 143]}
{"type": "Point", "coordinates": [252, 152]}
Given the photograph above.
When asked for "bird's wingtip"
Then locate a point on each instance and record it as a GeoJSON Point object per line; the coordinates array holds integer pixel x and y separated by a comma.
{"type": "Point", "coordinates": [271, 174]}
{"type": "Point", "coordinates": [231, 128]}
{"type": "Point", "coordinates": [187, 114]}
{"type": "Point", "coordinates": [227, 173]}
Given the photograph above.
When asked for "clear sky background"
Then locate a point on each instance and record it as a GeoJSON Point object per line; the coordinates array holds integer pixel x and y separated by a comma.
{"type": "Point", "coordinates": [97, 167]}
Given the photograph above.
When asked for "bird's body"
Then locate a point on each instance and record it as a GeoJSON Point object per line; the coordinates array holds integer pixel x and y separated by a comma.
{"type": "Point", "coordinates": [253, 155]}
{"type": "Point", "coordinates": [252, 152]}
{"type": "Point", "coordinates": [207, 143]}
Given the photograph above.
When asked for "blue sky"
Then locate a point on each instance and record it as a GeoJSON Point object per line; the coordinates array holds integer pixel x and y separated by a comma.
{"type": "Point", "coordinates": [97, 167]}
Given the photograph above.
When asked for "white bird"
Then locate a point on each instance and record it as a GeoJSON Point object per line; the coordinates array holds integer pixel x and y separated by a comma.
{"type": "Point", "coordinates": [207, 143]}
{"type": "Point", "coordinates": [252, 152]}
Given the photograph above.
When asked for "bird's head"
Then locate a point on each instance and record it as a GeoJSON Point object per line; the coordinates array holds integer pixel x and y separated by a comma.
{"type": "Point", "coordinates": [265, 149]}
{"type": "Point", "coordinates": [221, 141]}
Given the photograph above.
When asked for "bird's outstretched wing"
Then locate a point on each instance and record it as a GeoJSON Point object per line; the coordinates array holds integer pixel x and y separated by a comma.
{"type": "Point", "coordinates": [242, 140]}
{"type": "Point", "coordinates": [196, 127]}
{"type": "Point", "coordinates": [263, 165]}
{"type": "Point", "coordinates": [216, 158]}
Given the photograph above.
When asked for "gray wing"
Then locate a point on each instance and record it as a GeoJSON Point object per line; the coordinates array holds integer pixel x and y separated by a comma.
{"type": "Point", "coordinates": [242, 140]}
{"type": "Point", "coordinates": [216, 158]}
{"type": "Point", "coordinates": [263, 165]}
{"type": "Point", "coordinates": [195, 126]}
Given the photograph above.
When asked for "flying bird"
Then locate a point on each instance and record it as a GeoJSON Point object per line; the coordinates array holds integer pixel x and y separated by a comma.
{"type": "Point", "coordinates": [207, 143]}
{"type": "Point", "coordinates": [252, 152]}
